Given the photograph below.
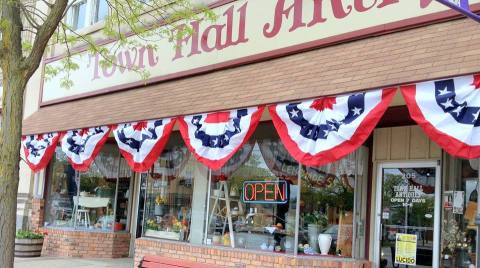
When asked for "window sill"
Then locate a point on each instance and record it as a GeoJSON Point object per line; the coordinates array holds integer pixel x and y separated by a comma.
{"type": "Point", "coordinates": [91, 28]}
{"type": "Point", "coordinates": [71, 229]}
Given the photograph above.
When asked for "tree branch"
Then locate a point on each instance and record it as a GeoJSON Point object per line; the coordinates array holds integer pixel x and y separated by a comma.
{"type": "Point", "coordinates": [32, 61]}
{"type": "Point", "coordinates": [28, 17]}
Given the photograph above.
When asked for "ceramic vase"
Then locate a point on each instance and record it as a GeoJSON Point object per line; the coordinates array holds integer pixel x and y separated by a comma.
{"type": "Point", "coordinates": [324, 243]}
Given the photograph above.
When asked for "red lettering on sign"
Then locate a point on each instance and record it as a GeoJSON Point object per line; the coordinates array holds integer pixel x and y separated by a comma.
{"type": "Point", "coordinates": [360, 6]}
{"type": "Point", "coordinates": [245, 192]}
{"type": "Point", "coordinates": [214, 37]}
{"type": "Point", "coordinates": [129, 59]}
{"type": "Point", "coordinates": [259, 188]}
{"type": "Point", "coordinates": [280, 192]}
{"type": "Point", "coordinates": [317, 13]}
{"type": "Point", "coordinates": [267, 192]}
{"type": "Point", "coordinates": [281, 11]}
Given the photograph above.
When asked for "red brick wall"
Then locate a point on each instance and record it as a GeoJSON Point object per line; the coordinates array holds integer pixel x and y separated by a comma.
{"type": "Point", "coordinates": [36, 215]}
{"type": "Point", "coordinates": [236, 257]}
{"type": "Point", "coordinates": [81, 244]}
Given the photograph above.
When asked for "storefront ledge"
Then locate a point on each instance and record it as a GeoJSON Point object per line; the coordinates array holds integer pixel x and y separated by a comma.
{"type": "Point", "coordinates": [237, 257]}
{"type": "Point", "coordinates": [83, 243]}
{"type": "Point", "coordinates": [58, 230]}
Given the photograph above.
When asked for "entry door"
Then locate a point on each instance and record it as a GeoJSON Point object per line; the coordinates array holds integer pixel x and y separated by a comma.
{"type": "Point", "coordinates": [407, 226]}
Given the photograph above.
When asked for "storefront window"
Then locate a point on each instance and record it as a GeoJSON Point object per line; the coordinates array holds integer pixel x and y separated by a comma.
{"type": "Point", "coordinates": [168, 203]}
{"type": "Point", "coordinates": [94, 200]}
{"type": "Point", "coordinates": [459, 206]}
{"type": "Point", "coordinates": [252, 202]}
{"type": "Point", "coordinates": [61, 190]}
{"type": "Point", "coordinates": [327, 208]}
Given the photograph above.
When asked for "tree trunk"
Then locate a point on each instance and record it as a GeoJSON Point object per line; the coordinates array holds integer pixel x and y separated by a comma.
{"type": "Point", "coordinates": [12, 112]}
{"type": "Point", "coordinates": [14, 82]}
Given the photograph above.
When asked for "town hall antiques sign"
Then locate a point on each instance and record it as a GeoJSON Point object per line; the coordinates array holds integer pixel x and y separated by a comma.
{"type": "Point", "coordinates": [245, 31]}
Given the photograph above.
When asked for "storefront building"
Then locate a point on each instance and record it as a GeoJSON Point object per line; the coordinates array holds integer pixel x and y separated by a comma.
{"type": "Point", "coordinates": [284, 134]}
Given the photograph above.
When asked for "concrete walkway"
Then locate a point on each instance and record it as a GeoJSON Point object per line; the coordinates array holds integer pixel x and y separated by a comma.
{"type": "Point", "coordinates": [49, 262]}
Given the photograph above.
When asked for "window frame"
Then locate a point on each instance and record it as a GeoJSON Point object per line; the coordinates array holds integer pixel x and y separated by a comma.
{"type": "Point", "coordinates": [91, 14]}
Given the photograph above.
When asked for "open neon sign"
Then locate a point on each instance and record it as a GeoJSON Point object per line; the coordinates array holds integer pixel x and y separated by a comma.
{"type": "Point", "coordinates": [265, 192]}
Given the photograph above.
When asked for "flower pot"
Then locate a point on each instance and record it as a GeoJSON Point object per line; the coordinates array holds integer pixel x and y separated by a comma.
{"type": "Point", "coordinates": [118, 227]}
{"type": "Point", "coordinates": [28, 247]}
{"type": "Point", "coordinates": [313, 230]}
{"type": "Point", "coordinates": [324, 243]}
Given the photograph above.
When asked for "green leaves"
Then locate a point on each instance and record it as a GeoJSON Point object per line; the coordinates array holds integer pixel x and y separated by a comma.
{"type": "Point", "coordinates": [132, 24]}
{"type": "Point", "coordinates": [23, 234]}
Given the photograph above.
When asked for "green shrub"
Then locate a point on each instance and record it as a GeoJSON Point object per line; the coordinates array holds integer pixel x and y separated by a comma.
{"type": "Point", "coordinates": [24, 234]}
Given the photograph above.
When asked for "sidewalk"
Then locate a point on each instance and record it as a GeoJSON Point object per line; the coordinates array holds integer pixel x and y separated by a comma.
{"type": "Point", "coordinates": [50, 262]}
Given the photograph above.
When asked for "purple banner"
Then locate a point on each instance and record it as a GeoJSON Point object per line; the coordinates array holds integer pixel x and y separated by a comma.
{"type": "Point", "coordinates": [461, 6]}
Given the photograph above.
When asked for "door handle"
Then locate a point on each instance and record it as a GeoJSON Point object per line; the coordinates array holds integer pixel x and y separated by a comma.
{"type": "Point", "coordinates": [380, 232]}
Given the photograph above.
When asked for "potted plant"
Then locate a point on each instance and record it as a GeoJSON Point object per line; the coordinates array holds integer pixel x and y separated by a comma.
{"type": "Point", "coordinates": [28, 244]}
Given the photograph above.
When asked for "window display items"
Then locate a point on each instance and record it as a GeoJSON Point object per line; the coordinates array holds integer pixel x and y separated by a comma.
{"type": "Point", "coordinates": [259, 216]}
{"type": "Point", "coordinates": [169, 196]}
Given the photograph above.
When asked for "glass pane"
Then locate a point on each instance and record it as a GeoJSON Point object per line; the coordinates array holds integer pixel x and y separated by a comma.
{"type": "Point", "coordinates": [61, 190]}
{"type": "Point", "coordinates": [79, 15]}
{"type": "Point", "coordinates": [101, 11]}
{"type": "Point", "coordinates": [169, 195]}
{"type": "Point", "coordinates": [408, 203]}
{"type": "Point", "coordinates": [326, 208]}
{"type": "Point", "coordinates": [263, 218]}
{"type": "Point", "coordinates": [97, 191]}
{"type": "Point", "coordinates": [123, 197]}
{"type": "Point", "coordinates": [459, 204]}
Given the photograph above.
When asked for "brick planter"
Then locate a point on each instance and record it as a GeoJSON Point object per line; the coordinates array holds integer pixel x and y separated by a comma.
{"type": "Point", "coordinates": [83, 244]}
{"type": "Point", "coordinates": [236, 257]}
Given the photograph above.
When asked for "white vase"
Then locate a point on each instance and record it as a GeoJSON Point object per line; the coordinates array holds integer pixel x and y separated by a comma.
{"type": "Point", "coordinates": [324, 243]}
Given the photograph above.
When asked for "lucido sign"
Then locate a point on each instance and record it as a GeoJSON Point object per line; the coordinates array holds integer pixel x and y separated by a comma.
{"type": "Point", "coordinates": [245, 31]}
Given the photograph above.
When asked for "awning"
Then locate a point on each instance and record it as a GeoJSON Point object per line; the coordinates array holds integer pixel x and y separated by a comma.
{"type": "Point", "coordinates": [428, 52]}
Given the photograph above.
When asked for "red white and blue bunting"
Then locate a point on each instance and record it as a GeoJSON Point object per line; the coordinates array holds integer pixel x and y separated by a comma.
{"type": "Point", "coordinates": [448, 110]}
{"type": "Point", "coordinates": [141, 143]}
{"type": "Point", "coordinates": [321, 131]}
{"type": "Point", "coordinates": [214, 138]}
{"type": "Point", "coordinates": [39, 149]}
{"type": "Point", "coordinates": [82, 145]}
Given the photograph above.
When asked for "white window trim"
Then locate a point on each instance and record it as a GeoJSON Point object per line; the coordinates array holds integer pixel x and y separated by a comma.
{"type": "Point", "coordinates": [90, 13]}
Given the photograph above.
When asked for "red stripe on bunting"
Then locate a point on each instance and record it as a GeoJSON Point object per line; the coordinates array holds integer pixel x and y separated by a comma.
{"type": "Point", "coordinates": [450, 144]}
{"type": "Point", "coordinates": [87, 162]}
{"type": "Point", "coordinates": [338, 152]}
{"type": "Point", "coordinates": [154, 153]}
{"type": "Point", "coordinates": [217, 164]}
{"type": "Point", "coordinates": [45, 158]}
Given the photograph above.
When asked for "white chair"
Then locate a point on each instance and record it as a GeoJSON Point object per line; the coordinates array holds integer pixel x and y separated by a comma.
{"type": "Point", "coordinates": [83, 217]}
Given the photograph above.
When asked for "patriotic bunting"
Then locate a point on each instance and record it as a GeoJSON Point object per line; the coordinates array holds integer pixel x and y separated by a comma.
{"type": "Point", "coordinates": [448, 111]}
{"type": "Point", "coordinates": [39, 149]}
{"type": "Point", "coordinates": [142, 142]}
{"type": "Point", "coordinates": [213, 138]}
{"type": "Point", "coordinates": [324, 130]}
{"type": "Point", "coordinates": [82, 145]}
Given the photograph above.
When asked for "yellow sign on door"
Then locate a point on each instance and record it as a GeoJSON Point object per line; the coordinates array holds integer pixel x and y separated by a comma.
{"type": "Point", "coordinates": [406, 249]}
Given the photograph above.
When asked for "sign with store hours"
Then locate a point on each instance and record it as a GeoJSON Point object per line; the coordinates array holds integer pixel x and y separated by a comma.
{"type": "Point", "coordinates": [244, 31]}
{"type": "Point", "coordinates": [265, 192]}
{"type": "Point", "coordinates": [407, 195]}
